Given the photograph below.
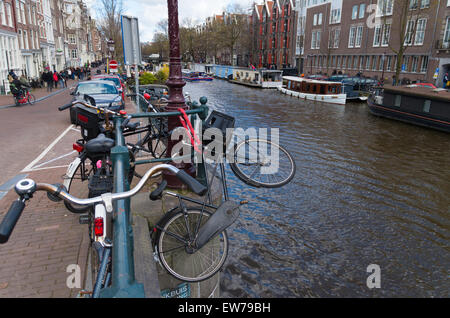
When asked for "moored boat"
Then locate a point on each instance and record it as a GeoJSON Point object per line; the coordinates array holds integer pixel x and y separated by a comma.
{"type": "Point", "coordinates": [315, 90]}
{"type": "Point", "coordinates": [258, 78]}
{"type": "Point", "coordinates": [190, 76]}
{"type": "Point", "coordinates": [412, 104]}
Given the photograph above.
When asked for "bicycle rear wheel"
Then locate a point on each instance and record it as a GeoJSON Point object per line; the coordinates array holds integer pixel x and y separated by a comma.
{"type": "Point", "coordinates": [175, 254]}
{"type": "Point", "coordinates": [262, 163]}
{"type": "Point", "coordinates": [77, 184]}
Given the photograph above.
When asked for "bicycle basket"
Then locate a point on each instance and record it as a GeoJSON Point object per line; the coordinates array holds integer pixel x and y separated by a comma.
{"type": "Point", "coordinates": [220, 121]}
{"type": "Point", "coordinates": [99, 185]}
{"type": "Point", "coordinates": [88, 120]}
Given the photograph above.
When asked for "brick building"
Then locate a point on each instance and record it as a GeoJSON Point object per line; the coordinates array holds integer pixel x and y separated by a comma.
{"type": "Point", "coordinates": [274, 34]}
{"type": "Point", "coordinates": [344, 36]}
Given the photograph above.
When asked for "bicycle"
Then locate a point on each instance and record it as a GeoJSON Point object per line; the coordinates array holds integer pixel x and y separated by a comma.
{"type": "Point", "coordinates": [93, 163]}
{"type": "Point", "coordinates": [103, 206]}
{"type": "Point", "coordinates": [24, 97]}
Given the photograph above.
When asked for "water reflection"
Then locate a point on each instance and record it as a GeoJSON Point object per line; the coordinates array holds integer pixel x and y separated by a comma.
{"type": "Point", "coordinates": [367, 191]}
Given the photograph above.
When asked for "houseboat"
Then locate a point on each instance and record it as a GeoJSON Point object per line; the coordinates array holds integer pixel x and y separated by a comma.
{"type": "Point", "coordinates": [416, 105]}
{"type": "Point", "coordinates": [258, 78]}
{"type": "Point", "coordinates": [315, 90]}
{"type": "Point", "coordinates": [190, 76]}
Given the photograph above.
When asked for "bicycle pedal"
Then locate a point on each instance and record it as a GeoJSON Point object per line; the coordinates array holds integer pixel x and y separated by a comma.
{"type": "Point", "coordinates": [84, 219]}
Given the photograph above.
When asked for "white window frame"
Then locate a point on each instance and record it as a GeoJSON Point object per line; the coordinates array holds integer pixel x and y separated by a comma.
{"type": "Point", "coordinates": [421, 26]}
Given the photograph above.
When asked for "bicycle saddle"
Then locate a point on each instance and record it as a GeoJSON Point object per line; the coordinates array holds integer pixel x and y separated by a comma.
{"type": "Point", "coordinates": [100, 144]}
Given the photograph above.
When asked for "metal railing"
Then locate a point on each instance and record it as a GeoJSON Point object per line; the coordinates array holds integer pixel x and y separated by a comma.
{"type": "Point", "coordinates": [124, 283]}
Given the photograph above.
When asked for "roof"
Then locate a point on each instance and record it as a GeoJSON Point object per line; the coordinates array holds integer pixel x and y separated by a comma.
{"type": "Point", "coordinates": [314, 81]}
{"type": "Point", "coordinates": [424, 92]}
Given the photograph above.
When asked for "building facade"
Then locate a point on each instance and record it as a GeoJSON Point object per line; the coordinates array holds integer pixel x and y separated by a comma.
{"type": "Point", "coordinates": [366, 37]}
{"type": "Point", "coordinates": [10, 58]}
{"type": "Point", "coordinates": [36, 34]}
{"type": "Point", "coordinates": [274, 34]}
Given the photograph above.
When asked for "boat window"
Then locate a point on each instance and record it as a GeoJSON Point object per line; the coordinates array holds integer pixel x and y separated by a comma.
{"type": "Point", "coordinates": [426, 106]}
{"type": "Point", "coordinates": [289, 84]}
{"type": "Point", "coordinates": [398, 100]}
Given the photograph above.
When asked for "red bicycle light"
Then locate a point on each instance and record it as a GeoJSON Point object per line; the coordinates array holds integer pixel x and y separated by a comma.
{"type": "Point", "coordinates": [78, 147]}
{"type": "Point", "coordinates": [98, 227]}
{"type": "Point", "coordinates": [147, 96]}
{"type": "Point", "coordinates": [82, 118]}
{"type": "Point", "coordinates": [123, 112]}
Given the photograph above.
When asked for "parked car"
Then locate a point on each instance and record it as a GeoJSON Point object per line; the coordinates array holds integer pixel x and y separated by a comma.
{"type": "Point", "coordinates": [113, 78]}
{"type": "Point", "coordinates": [104, 93]}
{"type": "Point", "coordinates": [427, 85]}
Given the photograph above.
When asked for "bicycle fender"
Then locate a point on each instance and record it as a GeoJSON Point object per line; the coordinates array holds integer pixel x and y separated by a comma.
{"type": "Point", "coordinates": [71, 171]}
{"type": "Point", "coordinates": [225, 215]}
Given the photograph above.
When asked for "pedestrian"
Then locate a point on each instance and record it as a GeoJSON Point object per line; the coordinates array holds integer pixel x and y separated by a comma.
{"type": "Point", "coordinates": [48, 79]}
{"type": "Point", "coordinates": [55, 78]}
{"type": "Point", "coordinates": [61, 79]}
{"type": "Point", "coordinates": [445, 80]}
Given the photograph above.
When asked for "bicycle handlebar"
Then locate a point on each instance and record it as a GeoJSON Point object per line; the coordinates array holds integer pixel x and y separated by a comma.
{"type": "Point", "coordinates": [10, 220]}
{"type": "Point", "coordinates": [16, 209]}
{"type": "Point", "coordinates": [62, 108]}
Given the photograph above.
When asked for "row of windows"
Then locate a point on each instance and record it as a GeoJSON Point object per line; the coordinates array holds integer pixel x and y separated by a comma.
{"type": "Point", "coordinates": [410, 64]}
{"type": "Point", "coordinates": [415, 35]}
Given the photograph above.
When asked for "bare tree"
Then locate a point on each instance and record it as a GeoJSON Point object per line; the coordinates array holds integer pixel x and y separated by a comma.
{"type": "Point", "coordinates": [109, 23]}
{"type": "Point", "coordinates": [402, 22]}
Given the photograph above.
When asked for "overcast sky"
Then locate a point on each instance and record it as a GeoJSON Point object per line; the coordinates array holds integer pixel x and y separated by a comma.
{"type": "Point", "coordinates": [150, 12]}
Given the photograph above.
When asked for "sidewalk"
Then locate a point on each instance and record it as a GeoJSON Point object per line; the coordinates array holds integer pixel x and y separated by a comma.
{"type": "Point", "coordinates": [39, 93]}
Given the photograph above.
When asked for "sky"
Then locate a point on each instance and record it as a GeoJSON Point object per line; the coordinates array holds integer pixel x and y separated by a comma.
{"type": "Point", "coordinates": [150, 12]}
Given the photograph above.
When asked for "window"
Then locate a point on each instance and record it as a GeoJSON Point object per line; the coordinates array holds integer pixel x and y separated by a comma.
{"type": "Point", "coordinates": [447, 32]}
{"type": "Point", "coordinates": [386, 35]}
{"type": "Point", "coordinates": [25, 40]}
{"type": "Point", "coordinates": [374, 63]}
{"type": "Point", "coordinates": [409, 32]}
{"type": "Point", "coordinates": [413, 4]}
{"type": "Point", "coordinates": [425, 4]}
{"type": "Point", "coordinates": [359, 34]}
{"type": "Point", "coordinates": [424, 65]}
{"type": "Point", "coordinates": [355, 12]}
{"type": "Point", "coordinates": [362, 9]}
{"type": "Point", "coordinates": [388, 63]}
{"type": "Point", "coordinates": [335, 16]}
{"type": "Point", "coordinates": [18, 12]}
{"type": "Point", "coordinates": [377, 35]}
{"type": "Point", "coordinates": [405, 65]}
{"type": "Point", "coordinates": [384, 7]}
{"type": "Point", "coordinates": [398, 100]}
{"type": "Point", "coordinates": [74, 53]}
{"type": "Point", "coordinates": [427, 106]}
{"type": "Point", "coordinates": [337, 34]}
{"type": "Point", "coordinates": [351, 37]}
{"type": "Point", "coordinates": [355, 62]}
{"type": "Point", "coordinates": [414, 64]}
{"type": "Point", "coordinates": [9, 15]}
{"type": "Point", "coordinates": [368, 63]}
{"type": "Point", "coordinates": [2, 12]}
{"type": "Point", "coordinates": [420, 31]}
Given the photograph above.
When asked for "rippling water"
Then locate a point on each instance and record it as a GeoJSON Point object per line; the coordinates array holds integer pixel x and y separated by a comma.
{"type": "Point", "coordinates": [367, 191]}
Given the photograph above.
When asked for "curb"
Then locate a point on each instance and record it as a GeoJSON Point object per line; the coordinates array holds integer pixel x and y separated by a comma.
{"type": "Point", "coordinates": [38, 100]}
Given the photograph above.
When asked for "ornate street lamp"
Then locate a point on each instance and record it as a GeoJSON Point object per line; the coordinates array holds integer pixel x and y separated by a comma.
{"type": "Point", "coordinates": [176, 98]}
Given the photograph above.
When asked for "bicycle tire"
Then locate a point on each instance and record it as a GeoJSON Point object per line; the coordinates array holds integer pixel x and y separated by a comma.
{"type": "Point", "coordinates": [249, 178]}
{"type": "Point", "coordinates": [173, 254]}
{"type": "Point", "coordinates": [31, 99]}
{"type": "Point", "coordinates": [159, 137]}
{"type": "Point", "coordinates": [78, 190]}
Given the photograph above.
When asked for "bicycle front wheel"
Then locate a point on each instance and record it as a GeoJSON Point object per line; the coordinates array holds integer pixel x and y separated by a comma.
{"type": "Point", "coordinates": [262, 163]}
{"type": "Point", "coordinates": [175, 254]}
{"type": "Point", "coordinates": [31, 99]}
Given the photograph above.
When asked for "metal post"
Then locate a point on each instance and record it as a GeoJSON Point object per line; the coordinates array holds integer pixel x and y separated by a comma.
{"type": "Point", "coordinates": [124, 284]}
{"type": "Point", "coordinates": [136, 56]}
{"type": "Point", "coordinates": [175, 84]}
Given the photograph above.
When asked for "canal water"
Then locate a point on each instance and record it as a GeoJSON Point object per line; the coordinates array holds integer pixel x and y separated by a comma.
{"type": "Point", "coordinates": [367, 191]}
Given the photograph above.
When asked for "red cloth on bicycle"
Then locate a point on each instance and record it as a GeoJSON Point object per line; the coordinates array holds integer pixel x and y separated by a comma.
{"type": "Point", "coordinates": [195, 142]}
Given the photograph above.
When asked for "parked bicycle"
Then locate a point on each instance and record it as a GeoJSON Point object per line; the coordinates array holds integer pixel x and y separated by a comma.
{"type": "Point", "coordinates": [103, 206]}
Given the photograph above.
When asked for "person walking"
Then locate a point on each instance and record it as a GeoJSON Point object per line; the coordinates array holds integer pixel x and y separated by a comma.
{"type": "Point", "coordinates": [55, 78]}
{"type": "Point", "coordinates": [48, 79]}
{"type": "Point", "coordinates": [445, 80]}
